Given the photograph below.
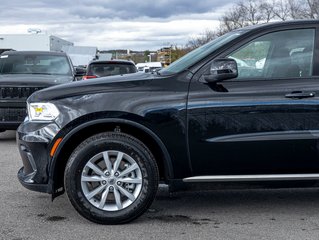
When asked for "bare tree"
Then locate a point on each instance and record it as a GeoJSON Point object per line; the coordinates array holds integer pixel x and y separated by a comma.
{"type": "Point", "coordinates": [281, 9]}
{"type": "Point", "coordinates": [295, 9]}
{"type": "Point", "coordinates": [246, 13]}
{"type": "Point", "coordinates": [251, 12]}
{"type": "Point", "coordinates": [205, 37]}
{"type": "Point", "coordinates": [268, 11]}
{"type": "Point", "coordinates": [312, 10]}
{"type": "Point", "coordinates": [233, 19]}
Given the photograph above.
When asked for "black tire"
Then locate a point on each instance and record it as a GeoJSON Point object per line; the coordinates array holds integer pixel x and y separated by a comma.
{"type": "Point", "coordinates": [111, 141]}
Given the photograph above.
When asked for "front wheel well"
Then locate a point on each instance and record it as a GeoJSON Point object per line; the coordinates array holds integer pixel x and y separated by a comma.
{"type": "Point", "coordinates": [160, 154]}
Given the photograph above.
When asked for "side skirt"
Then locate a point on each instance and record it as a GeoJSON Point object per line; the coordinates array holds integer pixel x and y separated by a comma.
{"type": "Point", "coordinates": [254, 178]}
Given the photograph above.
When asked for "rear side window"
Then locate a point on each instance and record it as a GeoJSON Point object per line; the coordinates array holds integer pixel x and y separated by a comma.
{"type": "Point", "coordinates": [283, 54]}
{"type": "Point", "coordinates": [102, 70]}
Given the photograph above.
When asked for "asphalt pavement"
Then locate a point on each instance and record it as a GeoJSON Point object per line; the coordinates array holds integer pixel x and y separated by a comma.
{"type": "Point", "coordinates": [220, 214]}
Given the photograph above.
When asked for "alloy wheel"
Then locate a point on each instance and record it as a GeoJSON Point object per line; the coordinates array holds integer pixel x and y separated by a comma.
{"type": "Point", "coordinates": [111, 180]}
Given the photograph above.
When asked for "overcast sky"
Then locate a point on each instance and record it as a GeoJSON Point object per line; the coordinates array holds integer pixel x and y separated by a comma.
{"type": "Point", "coordinates": [114, 24]}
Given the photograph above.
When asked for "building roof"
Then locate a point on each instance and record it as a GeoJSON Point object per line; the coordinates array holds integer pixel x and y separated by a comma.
{"type": "Point", "coordinates": [81, 50]}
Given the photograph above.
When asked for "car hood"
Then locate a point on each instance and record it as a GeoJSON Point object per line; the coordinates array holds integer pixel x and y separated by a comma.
{"type": "Point", "coordinates": [118, 83]}
{"type": "Point", "coordinates": [33, 79]}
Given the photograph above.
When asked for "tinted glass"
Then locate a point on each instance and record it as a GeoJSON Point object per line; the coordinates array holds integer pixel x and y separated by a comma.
{"type": "Point", "coordinates": [34, 64]}
{"type": "Point", "coordinates": [194, 56]}
{"type": "Point", "coordinates": [110, 69]}
{"type": "Point", "coordinates": [283, 54]}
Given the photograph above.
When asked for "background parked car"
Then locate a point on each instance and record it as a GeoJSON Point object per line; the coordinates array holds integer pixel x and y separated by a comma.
{"type": "Point", "coordinates": [24, 72]}
{"type": "Point", "coordinates": [97, 68]}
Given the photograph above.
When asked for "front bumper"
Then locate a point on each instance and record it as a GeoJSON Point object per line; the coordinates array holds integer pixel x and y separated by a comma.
{"type": "Point", "coordinates": [31, 185]}
{"type": "Point", "coordinates": [34, 141]}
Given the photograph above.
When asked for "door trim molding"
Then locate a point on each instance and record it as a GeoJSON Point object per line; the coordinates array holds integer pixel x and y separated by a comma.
{"type": "Point", "coordinates": [268, 136]}
{"type": "Point", "coordinates": [260, 177]}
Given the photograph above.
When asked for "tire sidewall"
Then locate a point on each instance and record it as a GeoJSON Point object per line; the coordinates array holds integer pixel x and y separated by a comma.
{"type": "Point", "coordinates": [98, 144]}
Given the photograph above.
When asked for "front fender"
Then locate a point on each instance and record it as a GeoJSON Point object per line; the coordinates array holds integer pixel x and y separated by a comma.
{"type": "Point", "coordinates": [168, 167]}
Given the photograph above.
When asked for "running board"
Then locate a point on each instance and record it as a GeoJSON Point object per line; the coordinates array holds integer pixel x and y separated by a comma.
{"type": "Point", "coordinates": [244, 178]}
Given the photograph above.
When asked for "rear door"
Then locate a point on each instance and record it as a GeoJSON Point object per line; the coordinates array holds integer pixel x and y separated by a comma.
{"type": "Point", "coordinates": [266, 121]}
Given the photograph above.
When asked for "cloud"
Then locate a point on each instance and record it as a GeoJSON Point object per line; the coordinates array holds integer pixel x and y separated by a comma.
{"type": "Point", "coordinates": [131, 9]}
{"type": "Point", "coordinates": [110, 24]}
{"type": "Point", "coordinates": [46, 10]}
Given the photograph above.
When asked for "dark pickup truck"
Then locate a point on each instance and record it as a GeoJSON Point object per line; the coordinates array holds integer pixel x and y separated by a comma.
{"type": "Point", "coordinates": [24, 72]}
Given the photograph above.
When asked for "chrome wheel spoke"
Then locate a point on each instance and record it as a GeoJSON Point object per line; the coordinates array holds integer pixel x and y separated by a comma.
{"type": "Point", "coordinates": [117, 161]}
{"type": "Point", "coordinates": [91, 179]}
{"type": "Point", "coordinates": [117, 197]}
{"type": "Point", "coordinates": [104, 197]}
{"type": "Point", "coordinates": [97, 190]}
{"type": "Point", "coordinates": [107, 162]}
{"type": "Point", "coordinates": [128, 170]}
{"type": "Point", "coordinates": [127, 193]}
{"type": "Point", "coordinates": [131, 180]}
{"type": "Point", "coordinates": [95, 168]}
{"type": "Point", "coordinates": [111, 180]}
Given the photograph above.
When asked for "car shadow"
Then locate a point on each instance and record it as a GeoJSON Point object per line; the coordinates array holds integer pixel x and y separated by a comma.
{"type": "Point", "coordinates": [8, 136]}
{"type": "Point", "coordinates": [208, 207]}
{"type": "Point", "coordinates": [237, 206]}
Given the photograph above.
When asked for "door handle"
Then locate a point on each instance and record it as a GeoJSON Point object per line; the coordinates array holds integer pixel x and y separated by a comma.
{"type": "Point", "coordinates": [300, 94]}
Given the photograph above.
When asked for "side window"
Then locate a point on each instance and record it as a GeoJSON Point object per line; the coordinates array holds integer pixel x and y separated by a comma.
{"type": "Point", "coordinates": [283, 54]}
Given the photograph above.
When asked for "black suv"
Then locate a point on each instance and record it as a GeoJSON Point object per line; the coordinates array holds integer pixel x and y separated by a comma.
{"type": "Point", "coordinates": [108, 142]}
{"type": "Point", "coordinates": [24, 72]}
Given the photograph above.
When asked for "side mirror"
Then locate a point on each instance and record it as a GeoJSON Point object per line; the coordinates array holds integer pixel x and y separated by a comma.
{"type": "Point", "coordinates": [79, 71]}
{"type": "Point", "coordinates": [222, 69]}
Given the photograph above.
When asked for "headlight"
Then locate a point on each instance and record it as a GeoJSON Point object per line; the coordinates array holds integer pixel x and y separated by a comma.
{"type": "Point", "coordinates": [42, 111]}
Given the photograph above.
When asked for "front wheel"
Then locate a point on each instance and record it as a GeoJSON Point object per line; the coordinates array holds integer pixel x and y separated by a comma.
{"type": "Point", "coordinates": [111, 178]}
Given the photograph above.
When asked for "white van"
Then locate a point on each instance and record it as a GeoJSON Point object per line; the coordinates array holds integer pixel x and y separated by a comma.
{"type": "Point", "coordinates": [149, 66]}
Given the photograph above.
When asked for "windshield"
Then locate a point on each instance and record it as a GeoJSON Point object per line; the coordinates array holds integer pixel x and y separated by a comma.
{"type": "Point", "coordinates": [192, 57]}
{"type": "Point", "coordinates": [34, 64]}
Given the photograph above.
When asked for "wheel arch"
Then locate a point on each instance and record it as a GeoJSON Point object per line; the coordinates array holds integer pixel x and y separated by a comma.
{"type": "Point", "coordinates": [87, 129]}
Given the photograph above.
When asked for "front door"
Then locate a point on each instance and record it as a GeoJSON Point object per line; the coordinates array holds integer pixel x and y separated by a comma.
{"type": "Point", "coordinates": [266, 121]}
